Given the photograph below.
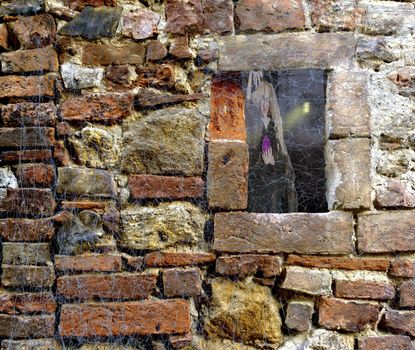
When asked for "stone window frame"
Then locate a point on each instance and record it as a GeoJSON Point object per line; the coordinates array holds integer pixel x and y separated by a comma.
{"type": "Point", "coordinates": [347, 133]}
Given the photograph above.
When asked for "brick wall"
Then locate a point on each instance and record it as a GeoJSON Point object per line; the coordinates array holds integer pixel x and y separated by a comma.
{"type": "Point", "coordinates": [123, 227]}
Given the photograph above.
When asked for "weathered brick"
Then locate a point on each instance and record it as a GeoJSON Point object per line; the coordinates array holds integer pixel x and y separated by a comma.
{"type": "Point", "coordinates": [182, 282]}
{"type": "Point", "coordinates": [179, 47]}
{"type": "Point", "coordinates": [184, 17]}
{"type": "Point", "coordinates": [83, 181]}
{"type": "Point", "coordinates": [349, 181]}
{"type": "Point", "coordinates": [140, 24]}
{"type": "Point", "coordinates": [26, 303]}
{"type": "Point", "coordinates": [166, 259]}
{"type": "Point", "coordinates": [180, 341]}
{"type": "Point", "coordinates": [104, 55]}
{"type": "Point", "coordinates": [105, 108]}
{"type": "Point", "coordinates": [31, 344]}
{"type": "Point", "coordinates": [4, 36]}
{"type": "Point", "coordinates": [243, 265]}
{"type": "Point", "coordinates": [19, 86]}
{"type": "Point", "coordinates": [159, 76]}
{"type": "Point", "coordinates": [19, 326]}
{"type": "Point", "coordinates": [227, 180]}
{"type": "Point", "coordinates": [388, 342]}
{"type": "Point", "coordinates": [26, 156]}
{"type": "Point", "coordinates": [61, 155]}
{"type": "Point", "coordinates": [348, 112]}
{"type": "Point", "coordinates": [362, 289]}
{"type": "Point", "coordinates": [35, 175]}
{"type": "Point", "coordinates": [339, 262]}
{"type": "Point", "coordinates": [401, 322]}
{"type": "Point", "coordinates": [298, 316]}
{"type": "Point", "coordinates": [43, 59]}
{"type": "Point", "coordinates": [88, 262]}
{"type": "Point", "coordinates": [407, 294]}
{"type": "Point", "coordinates": [33, 31]}
{"type": "Point", "coordinates": [26, 137]}
{"type": "Point", "coordinates": [15, 230]}
{"type": "Point", "coordinates": [80, 4]}
{"type": "Point", "coordinates": [83, 204]}
{"type": "Point", "coordinates": [26, 253]}
{"type": "Point", "coordinates": [386, 232]}
{"type": "Point", "coordinates": [328, 233]}
{"type": "Point", "coordinates": [396, 195]}
{"type": "Point", "coordinates": [27, 276]}
{"type": "Point", "coordinates": [285, 51]}
{"type": "Point", "coordinates": [106, 286]}
{"type": "Point", "coordinates": [227, 119]}
{"type": "Point", "coordinates": [348, 316]}
{"type": "Point", "coordinates": [155, 51]}
{"type": "Point", "coordinates": [28, 201]}
{"type": "Point", "coordinates": [151, 97]}
{"type": "Point", "coordinates": [308, 281]}
{"type": "Point", "coordinates": [134, 263]}
{"type": "Point", "coordinates": [269, 15]}
{"type": "Point", "coordinates": [218, 16]}
{"type": "Point", "coordinates": [402, 268]}
{"type": "Point", "coordinates": [29, 114]}
{"type": "Point", "coordinates": [128, 318]}
{"type": "Point", "coordinates": [153, 186]}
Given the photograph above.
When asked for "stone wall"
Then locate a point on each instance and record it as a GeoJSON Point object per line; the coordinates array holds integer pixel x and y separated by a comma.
{"type": "Point", "coordinates": [123, 177]}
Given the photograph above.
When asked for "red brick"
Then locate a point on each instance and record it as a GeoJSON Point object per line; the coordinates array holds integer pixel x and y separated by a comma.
{"type": "Point", "coordinates": [105, 55]}
{"type": "Point", "coordinates": [389, 342]}
{"type": "Point", "coordinates": [407, 294]}
{"type": "Point", "coordinates": [227, 118]}
{"type": "Point", "coordinates": [269, 15]}
{"type": "Point", "coordinates": [34, 31]}
{"type": "Point", "coordinates": [26, 303]}
{"type": "Point", "coordinates": [402, 268]}
{"type": "Point", "coordinates": [106, 108]}
{"type": "Point", "coordinates": [166, 259]}
{"type": "Point", "coordinates": [128, 318]}
{"type": "Point", "coordinates": [159, 76]}
{"type": "Point", "coordinates": [348, 316]}
{"type": "Point", "coordinates": [27, 276]}
{"type": "Point", "coordinates": [108, 286]}
{"type": "Point", "coordinates": [88, 262]}
{"type": "Point", "coordinates": [29, 114]}
{"type": "Point", "coordinates": [152, 186]}
{"type": "Point", "coordinates": [19, 326]}
{"type": "Point", "coordinates": [19, 86]}
{"type": "Point", "coordinates": [29, 201]}
{"type": "Point", "coordinates": [26, 137]}
{"type": "Point", "coordinates": [26, 156]}
{"type": "Point", "coordinates": [364, 290]}
{"type": "Point", "coordinates": [182, 282]}
{"type": "Point", "coordinates": [339, 262]}
{"type": "Point", "coordinates": [16, 230]}
{"type": "Point", "coordinates": [401, 322]}
{"type": "Point", "coordinates": [61, 154]}
{"type": "Point", "coordinates": [184, 16]}
{"type": "Point", "coordinates": [136, 263]}
{"type": "Point", "coordinates": [35, 175]}
{"type": "Point", "coordinates": [43, 59]}
{"type": "Point", "coordinates": [243, 265]}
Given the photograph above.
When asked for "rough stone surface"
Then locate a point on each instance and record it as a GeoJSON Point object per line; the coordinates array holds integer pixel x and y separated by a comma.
{"type": "Point", "coordinates": [7, 180]}
{"type": "Point", "coordinates": [179, 47]}
{"type": "Point", "coordinates": [83, 181]}
{"type": "Point", "coordinates": [347, 315]}
{"type": "Point", "coordinates": [166, 259]}
{"type": "Point", "coordinates": [26, 137]}
{"type": "Point", "coordinates": [308, 281]}
{"type": "Point", "coordinates": [43, 59]}
{"type": "Point", "coordinates": [28, 114]}
{"type": "Point", "coordinates": [227, 179]}
{"type": "Point", "coordinates": [320, 339]}
{"type": "Point", "coordinates": [93, 23]}
{"type": "Point", "coordinates": [285, 51]}
{"type": "Point", "coordinates": [4, 36]}
{"type": "Point", "coordinates": [400, 322]}
{"type": "Point", "coordinates": [32, 344]}
{"type": "Point", "coordinates": [21, 7]}
{"type": "Point", "coordinates": [27, 276]}
{"type": "Point", "coordinates": [329, 233]}
{"type": "Point", "coordinates": [26, 303]}
{"type": "Point", "coordinates": [151, 97]}
{"type": "Point", "coordinates": [184, 17]}
{"type": "Point", "coordinates": [299, 315]}
{"type": "Point", "coordinates": [106, 108]}
{"type": "Point", "coordinates": [402, 268]}
{"type": "Point", "coordinates": [26, 253]}
{"type": "Point", "coordinates": [155, 51]}
{"type": "Point", "coordinates": [33, 31]}
{"type": "Point", "coordinates": [386, 232]}
{"type": "Point", "coordinates": [153, 186]}
{"type": "Point", "coordinates": [35, 175]}
{"type": "Point", "coordinates": [269, 15]}
{"type": "Point", "coordinates": [347, 106]}
{"type": "Point", "coordinates": [88, 263]}
{"type": "Point", "coordinates": [75, 76]}
{"type": "Point", "coordinates": [28, 230]}
{"type": "Point", "coordinates": [389, 342]}
{"type": "Point", "coordinates": [362, 289]}
{"type": "Point", "coordinates": [218, 16]}
{"type": "Point", "coordinates": [109, 286]}
{"type": "Point", "coordinates": [396, 195]}
{"type": "Point", "coordinates": [245, 311]}
{"type": "Point", "coordinates": [28, 201]}
{"type": "Point", "coordinates": [182, 282]}
{"type": "Point", "coordinates": [36, 326]}
{"type": "Point", "coordinates": [19, 86]}
{"type": "Point", "coordinates": [43, 155]}
{"type": "Point", "coordinates": [348, 167]}
{"type": "Point", "coordinates": [407, 294]}
{"type": "Point", "coordinates": [141, 24]}
{"type": "Point", "coordinates": [129, 318]}
{"type": "Point", "coordinates": [244, 265]}
{"type": "Point", "coordinates": [80, 4]}
{"type": "Point", "coordinates": [163, 226]}
{"type": "Point", "coordinates": [143, 152]}
{"type": "Point", "coordinates": [101, 54]}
